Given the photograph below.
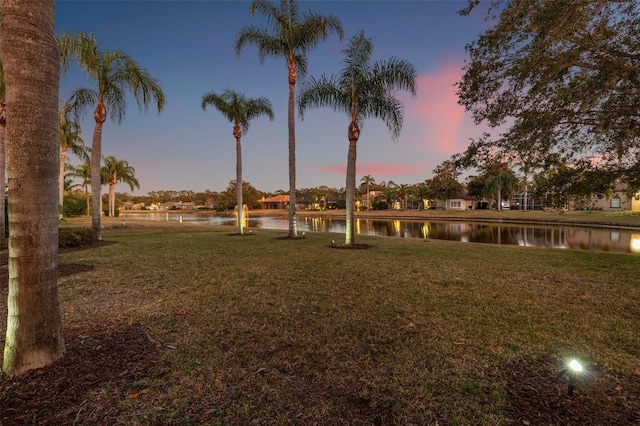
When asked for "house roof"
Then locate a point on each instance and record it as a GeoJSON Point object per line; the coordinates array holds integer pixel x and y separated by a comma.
{"type": "Point", "coordinates": [282, 198]}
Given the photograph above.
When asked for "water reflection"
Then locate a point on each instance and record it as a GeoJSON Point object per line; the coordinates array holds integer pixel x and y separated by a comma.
{"type": "Point", "coordinates": [618, 240]}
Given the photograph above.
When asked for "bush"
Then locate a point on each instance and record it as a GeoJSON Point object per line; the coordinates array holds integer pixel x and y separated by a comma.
{"type": "Point", "coordinates": [76, 237]}
{"type": "Point", "coordinates": [74, 205]}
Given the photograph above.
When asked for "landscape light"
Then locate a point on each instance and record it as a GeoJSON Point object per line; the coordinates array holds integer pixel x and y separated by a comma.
{"type": "Point", "coordinates": [575, 368]}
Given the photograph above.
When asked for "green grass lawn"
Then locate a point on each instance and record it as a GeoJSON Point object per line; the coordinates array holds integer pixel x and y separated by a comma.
{"type": "Point", "coordinates": [259, 330]}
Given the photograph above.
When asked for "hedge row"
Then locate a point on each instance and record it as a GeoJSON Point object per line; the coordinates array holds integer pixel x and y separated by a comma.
{"type": "Point", "coordinates": [76, 237]}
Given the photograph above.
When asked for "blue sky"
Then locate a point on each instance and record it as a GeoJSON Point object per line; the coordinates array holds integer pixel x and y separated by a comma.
{"type": "Point", "coordinates": [189, 47]}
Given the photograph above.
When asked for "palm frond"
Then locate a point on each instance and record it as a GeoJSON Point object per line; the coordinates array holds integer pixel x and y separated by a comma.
{"type": "Point", "coordinates": [237, 108]}
{"type": "Point", "coordinates": [80, 100]}
{"type": "Point", "coordinates": [323, 92]}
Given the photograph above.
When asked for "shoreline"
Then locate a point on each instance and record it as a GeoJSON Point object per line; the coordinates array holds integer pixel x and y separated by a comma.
{"type": "Point", "coordinates": [598, 219]}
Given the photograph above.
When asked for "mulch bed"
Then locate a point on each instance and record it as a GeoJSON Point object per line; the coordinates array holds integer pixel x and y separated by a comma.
{"type": "Point", "coordinates": [72, 390]}
{"type": "Point", "coordinates": [537, 394]}
{"type": "Point", "coordinates": [119, 355]}
{"type": "Point", "coordinates": [63, 268]}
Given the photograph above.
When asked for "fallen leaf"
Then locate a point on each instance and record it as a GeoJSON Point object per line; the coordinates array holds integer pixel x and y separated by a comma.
{"type": "Point", "coordinates": [137, 394]}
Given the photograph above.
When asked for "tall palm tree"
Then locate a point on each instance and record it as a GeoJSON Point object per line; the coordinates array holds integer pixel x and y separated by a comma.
{"type": "Point", "coordinates": [289, 35]}
{"type": "Point", "coordinates": [70, 140]}
{"type": "Point", "coordinates": [83, 172]}
{"type": "Point", "coordinates": [115, 171]}
{"type": "Point", "coordinates": [114, 73]}
{"type": "Point", "coordinates": [239, 110]}
{"type": "Point", "coordinates": [368, 180]}
{"type": "Point", "coordinates": [361, 90]}
{"type": "Point", "coordinates": [31, 74]}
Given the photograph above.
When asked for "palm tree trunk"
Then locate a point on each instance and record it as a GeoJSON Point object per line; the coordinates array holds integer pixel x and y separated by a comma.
{"type": "Point", "coordinates": [3, 200]}
{"type": "Point", "coordinates": [63, 155]}
{"type": "Point", "coordinates": [525, 193]}
{"type": "Point", "coordinates": [239, 202]}
{"type": "Point", "coordinates": [86, 196]}
{"type": "Point", "coordinates": [31, 71]}
{"type": "Point", "coordinates": [293, 227]}
{"type": "Point", "coordinates": [353, 133]}
{"type": "Point", "coordinates": [368, 202]}
{"type": "Point", "coordinates": [112, 199]}
{"type": "Point", "coordinates": [96, 184]}
{"type": "Point", "coordinates": [100, 115]}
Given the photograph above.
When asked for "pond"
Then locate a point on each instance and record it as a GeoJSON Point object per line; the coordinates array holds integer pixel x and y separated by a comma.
{"type": "Point", "coordinates": [563, 237]}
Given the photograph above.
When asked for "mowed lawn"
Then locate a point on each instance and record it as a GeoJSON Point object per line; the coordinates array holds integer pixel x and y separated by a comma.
{"type": "Point", "coordinates": [245, 330]}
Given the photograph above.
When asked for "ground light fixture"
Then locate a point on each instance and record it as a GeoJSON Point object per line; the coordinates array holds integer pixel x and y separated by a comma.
{"type": "Point", "coordinates": [574, 368]}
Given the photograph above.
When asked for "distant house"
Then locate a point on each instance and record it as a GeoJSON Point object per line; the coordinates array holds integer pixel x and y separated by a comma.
{"type": "Point", "coordinates": [277, 202]}
{"type": "Point", "coordinates": [187, 205]}
{"type": "Point", "coordinates": [617, 200]}
{"type": "Point", "coordinates": [367, 200]}
{"type": "Point", "coordinates": [460, 202]}
{"type": "Point", "coordinates": [331, 202]}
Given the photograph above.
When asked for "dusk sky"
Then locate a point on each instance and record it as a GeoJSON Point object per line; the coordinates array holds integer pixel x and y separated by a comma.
{"type": "Point", "coordinates": [189, 47]}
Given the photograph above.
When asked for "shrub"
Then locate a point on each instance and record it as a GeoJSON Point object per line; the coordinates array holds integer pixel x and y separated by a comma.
{"type": "Point", "coordinates": [76, 237]}
{"type": "Point", "coordinates": [74, 205]}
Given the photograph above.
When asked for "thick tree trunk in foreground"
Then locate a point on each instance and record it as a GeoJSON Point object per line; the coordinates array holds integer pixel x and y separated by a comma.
{"type": "Point", "coordinates": [31, 70]}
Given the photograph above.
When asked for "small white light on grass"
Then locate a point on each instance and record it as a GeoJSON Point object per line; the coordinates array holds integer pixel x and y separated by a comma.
{"type": "Point", "coordinates": [572, 372]}
{"type": "Point", "coordinates": [575, 366]}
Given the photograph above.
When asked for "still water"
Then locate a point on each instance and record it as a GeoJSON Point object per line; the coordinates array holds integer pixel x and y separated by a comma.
{"type": "Point", "coordinates": [567, 237]}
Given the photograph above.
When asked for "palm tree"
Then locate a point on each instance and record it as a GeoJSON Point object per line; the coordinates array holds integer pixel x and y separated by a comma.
{"type": "Point", "coordinates": [290, 36]}
{"type": "Point", "coordinates": [389, 194]}
{"type": "Point", "coordinates": [31, 74]}
{"type": "Point", "coordinates": [114, 73]}
{"type": "Point", "coordinates": [115, 171]}
{"type": "Point", "coordinates": [422, 191]}
{"type": "Point", "coordinates": [404, 191]}
{"type": "Point", "coordinates": [83, 171]}
{"type": "Point", "coordinates": [240, 111]}
{"type": "Point", "coordinates": [361, 90]}
{"type": "Point", "coordinates": [70, 139]}
{"type": "Point", "coordinates": [368, 180]}
{"type": "Point", "coordinates": [497, 184]}
{"type": "Point", "coordinates": [527, 169]}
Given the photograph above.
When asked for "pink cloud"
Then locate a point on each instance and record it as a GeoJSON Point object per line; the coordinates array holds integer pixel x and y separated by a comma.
{"type": "Point", "coordinates": [436, 109]}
